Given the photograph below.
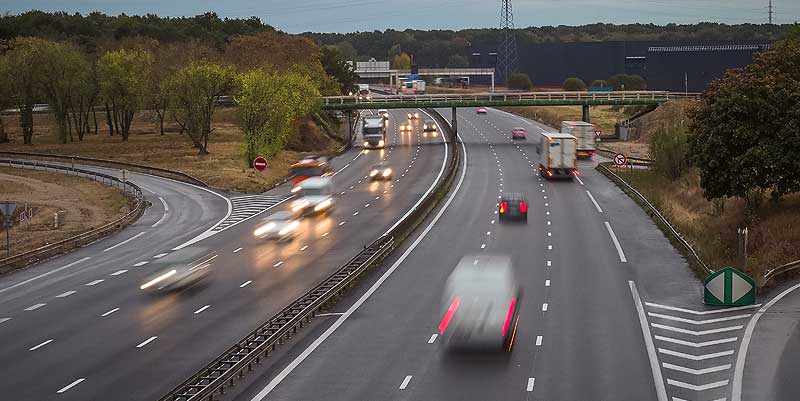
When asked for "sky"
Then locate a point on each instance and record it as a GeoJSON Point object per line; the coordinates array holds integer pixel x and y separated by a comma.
{"type": "Point", "coordinates": [368, 15]}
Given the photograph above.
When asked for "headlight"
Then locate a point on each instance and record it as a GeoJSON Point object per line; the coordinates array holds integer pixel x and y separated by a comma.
{"type": "Point", "coordinates": [387, 172]}
{"type": "Point", "coordinates": [373, 173]}
{"type": "Point", "coordinates": [322, 205]}
{"type": "Point", "coordinates": [263, 229]}
{"type": "Point", "coordinates": [424, 126]}
{"type": "Point", "coordinates": [291, 227]}
{"type": "Point", "coordinates": [159, 279]}
{"type": "Point", "coordinates": [296, 189]}
{"type": "Point", "coordinates": [299, 205]}
{"type": "Point", "coordinates": [380, 143]}
{"type": "Point", "coordinates": [366, 143]}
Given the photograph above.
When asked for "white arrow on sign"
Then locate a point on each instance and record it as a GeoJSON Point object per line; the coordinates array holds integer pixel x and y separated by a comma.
{"type": "Point", "coordinates": [717, 287]}
{"type": "Point", "coordinates": [740, 287]}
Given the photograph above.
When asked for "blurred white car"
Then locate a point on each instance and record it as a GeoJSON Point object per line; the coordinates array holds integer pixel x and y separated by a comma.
{"type": "Point", "coordinates": [179, 274]}
{"type": "Point", "coordinates": [380, 171]}
{"type": "Point", "coordinates": [281, 226]}
{"type": "Point", "coordinates": [315, 196]}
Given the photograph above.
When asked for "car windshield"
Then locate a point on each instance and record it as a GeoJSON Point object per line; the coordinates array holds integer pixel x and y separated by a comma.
{"type": "Point", "coordinates": [373, 131]}
{"type": "Point", "coordinates": [313, 192]}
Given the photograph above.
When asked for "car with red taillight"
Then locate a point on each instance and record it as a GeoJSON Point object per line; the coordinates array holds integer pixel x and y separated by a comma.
{"type": "Point", "coordinates": [481, 110]}
{"type": "Point", "coordinates": [513, 206]}
{"type": "Point", "coordinates": [480, 306]}
{"type": "Point", "coordinates": [519, 133]}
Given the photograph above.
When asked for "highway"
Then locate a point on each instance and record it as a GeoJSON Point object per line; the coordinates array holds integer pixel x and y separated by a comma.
{"type": "Point", "coordinates": [78, 327]}
{"type": "Point", "coordinates": [602, 287]}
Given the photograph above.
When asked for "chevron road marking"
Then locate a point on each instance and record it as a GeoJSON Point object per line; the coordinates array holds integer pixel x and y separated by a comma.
{"type": "Point", "coordinates": [696, 371]}
{"type": "Point", "coordinates": [696, 333]}
{"type": "Point", "coordinates": [707, 312]}
{"type": "Point", "coordinates": [698, 388]}
{"type": "Point", "coordinates": [696, 345]}
{"type": "Point", "coordinates": [709, 321]}
{"type": "Point", "coordinates": [695, 357]}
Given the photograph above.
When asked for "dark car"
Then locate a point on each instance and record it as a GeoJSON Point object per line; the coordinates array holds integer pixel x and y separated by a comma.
{"type": "Point", "coordinates": [429, 126]}
{"type": "Point", "coordinates": [513, 206]}
{"type": "Point", "coordinates": [519, 133]}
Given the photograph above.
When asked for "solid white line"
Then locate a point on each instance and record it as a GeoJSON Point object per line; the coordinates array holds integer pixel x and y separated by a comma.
{"type": "Point", "coordinates": [163, 202]}
{"type": "Point", "coordinates": [697, 322]}
{"type": "Point", "coordinates": [697, 388]}
{"type": "Point", "coordinates": [433, 338]}
{"type": "Point", "coordinates": [695, 357]}
{"type": "Point", "coordinates": [34, 307]}
{"type": "Point", "coordinates": [538, 340]}
{"type": "Point", "coordinates": [201, 309]}
{"type": "Point", "coordinates": [66, 294]}
{"type": "Point", "coordinates": [405, 382]}
{"type": "Point", "coordinates": [245, 284]}
{"type": "Point", "coordinates": [44, 274]}
{"type": "Point", "coordinates": [237, 250]}
{"type": "Point", "coordinates": [658, 380]}
{"type": "Point", "coordinates": [741, 359]}
{"type": "Point", "coordinates": [124, 242]}
{"type": "Point", "coordinates": [330, 314]}
{"type": "Point", "coordinates": [40, 345]}
{"type": "Point", "coordinates": [594, 201]}
{"type": "Point", "coordinates": [95, 282]}
{"type": "Point", "coordinates": [160, 255]}
{"type": "Point", "coordinates": [706, 312]}
{"type": "Point", "coordinates": [579, 180]}
{"type": "Point", "coordinates": [314, 345]}
{"type": "Point", "coordinates": [531, 381]}
{"type": "Point", "coordinates": [696, 345]}
{"type": "Point", "coordinates": [145, 342]}
{"type": "Point", "coordinates": [71, 385]}
{"type": "Point", "coordinates": [109, 312]}
{"type": "Point", "coordinates": [118, 272]}
{"type": "Point", "coordinates": [616, 243]}
{"type": "Point", "coordinates": [142, 263]}
{"type": "Point", "coordinates": [161, 220]}
{"type": "Point", "coordinates": [4, 319]}
{"type": "Point", "coordinates": [696, 333]}
{"type": "Point", "coordinates": [696, 372]}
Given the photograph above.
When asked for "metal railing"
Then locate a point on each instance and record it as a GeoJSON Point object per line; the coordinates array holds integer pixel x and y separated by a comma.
{"type": "Point", "coordinates": [777, 271]}
{"type": "Point", "coordinates": [633, 161]}
{"type": "Point", "coordinates": [63, 246]}
{"type": "Point", "coordinates": [157, 171]}
{"type": "Point", "coordinates": [240, 358]}
{"type": "Point", "coordinates": [510, 97]}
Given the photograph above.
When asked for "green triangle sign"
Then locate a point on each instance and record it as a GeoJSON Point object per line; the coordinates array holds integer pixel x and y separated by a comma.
{"type": "Point", "coordinates": [729, 287]}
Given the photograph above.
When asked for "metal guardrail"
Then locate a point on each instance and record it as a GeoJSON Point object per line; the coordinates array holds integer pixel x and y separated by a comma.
{"type": "Point", "coordinates": [50, 250]}
{"type": "Point", "coordinates": [158, 171]}
{"type": "Point", "coordinates": [777, 271]}
{"type": "Point", "coordinates": [510, 97]}
{"type": "Point", "coordinates": [240, 358]}
{"type": "Point", "coordinates": [675, 234]}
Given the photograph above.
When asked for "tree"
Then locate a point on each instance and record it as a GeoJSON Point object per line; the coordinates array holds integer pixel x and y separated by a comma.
{"type": "Point", "coordinates": [124, 82]}
{"type": "Point", "coordinates": [668, 148]}
{"type": "Point", "coordinates": [457, 61]}
{"type": "Point", "coordinates": [64, 76]}
{"type": "Point", "coordinates": [401, 61]}
{"type": "Point", "coordinates": [195, 90]}
{"type": "Point", "coordinates": [574, 84]}
{"type": "Point", "coordinates": [599, 83]}
{"type": "Point", "coordinates": [19, 77]}
{"type": "Point", "coordinates": [744, 136]}
{"type": "Point", "coordinates": [337, 68]}
{"type": "Point", "coordinates": [626, 82]}
{"type": "Point", "coordinates": [519, 81]}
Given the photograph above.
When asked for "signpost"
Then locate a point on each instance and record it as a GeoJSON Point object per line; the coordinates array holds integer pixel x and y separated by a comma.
{"type": "Point", "coordinates": [7, 209]}
{"type": "Point", "coordinates": [620, 159]}
{"type": "Point", "coordinates": [260, 163]}
{"type": "Point", "coordinates": [729, 287]}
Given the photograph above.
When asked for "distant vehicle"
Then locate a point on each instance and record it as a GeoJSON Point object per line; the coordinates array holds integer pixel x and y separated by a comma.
{"type": "Point", "coordinates": [513, 206]}
{"type": "Point", "coordinates": [480, 306]}
{"type": "Point", "coordinates": [413, 115]}
{"type": "Point", "coordinates": [519, 133]}
{"type": "Point", "coordinates": [374, 132]}
{"type": "Point", "coordinates": [429, 126]}
{"type": "Point", "coordinates": [586, 137]}
{"type": "Point", "coordinates": [310, 166]}
{"type": "Point", "coordinates": [557, 157]}
{"type": "Point", "coordinates": [380, 171]}
{"type": "Point", "coordinates": [406, 127]}
{"type": "Point", "coordinates": [412, 87]}
{"type": "Point", "coordinates": [184, 270]}
{"type": "Point", "coordinates": [481, 110]}
{"type": "Point", "coordinates": [384, 113]}
{"type": "Point", "coordinates": [281, 226]}
{"type": "Point", "coordinates": [315, 196]}
{"type": "Point", "coordinates": [364, 92]}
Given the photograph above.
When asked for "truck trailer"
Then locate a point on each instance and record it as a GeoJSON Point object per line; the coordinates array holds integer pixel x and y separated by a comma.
{"type": "Point", "coordinates": [374, 132]}
{"type": "Point", "coordinates": [557, 155]}
{"type": "Point", "coordinates": [584, 132]}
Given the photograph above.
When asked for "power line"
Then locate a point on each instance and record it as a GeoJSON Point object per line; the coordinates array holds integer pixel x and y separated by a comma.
{"type": "Point", "coordinates": [770, 12]}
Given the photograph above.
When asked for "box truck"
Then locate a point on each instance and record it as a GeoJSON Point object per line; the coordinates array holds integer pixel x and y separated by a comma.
{"type": "Point", "coordinates": [585, 134]}
{"type": "Point", "coordinates": [557, 155]}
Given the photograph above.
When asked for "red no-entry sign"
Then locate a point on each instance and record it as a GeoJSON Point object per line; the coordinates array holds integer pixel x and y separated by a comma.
{"type": "Point", "coordinates": [620, 159]}
{"type": "Point", "coordinates": [260, 163]}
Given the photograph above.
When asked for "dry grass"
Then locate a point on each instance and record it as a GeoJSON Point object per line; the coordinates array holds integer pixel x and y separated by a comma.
{"type": "Point", "coordinates": [223, 168]}
{"type": "Point", "coordinates": [603, 117]}
{"type": "Point", "coordinates": [85, 205]}
{"type": "Point", "coordinates": [773, 233]}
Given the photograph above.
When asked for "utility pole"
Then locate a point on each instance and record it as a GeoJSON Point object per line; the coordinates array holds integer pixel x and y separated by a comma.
{"type": "Point", "coordinates": [507, 54]}
{"type": "Point", "coordinates": [770, 12]}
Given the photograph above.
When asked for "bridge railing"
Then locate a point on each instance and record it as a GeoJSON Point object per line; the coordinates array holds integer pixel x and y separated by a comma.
{"type": "Point", "coordinates": [509, 97]}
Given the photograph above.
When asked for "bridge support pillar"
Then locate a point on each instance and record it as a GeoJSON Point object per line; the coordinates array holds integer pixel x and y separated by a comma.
{"type": "Point", "coordinates": [454, 124]}
{"type": "Point", "coordinates": [586, 113]}
{"type": "Point", "coordinates": [492, 83]}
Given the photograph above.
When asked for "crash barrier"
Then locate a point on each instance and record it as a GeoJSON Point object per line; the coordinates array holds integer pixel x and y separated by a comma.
{"type": "Point", "coordinates": [36, 255]}
{"type": "Point", "coordinates": [258, 344]}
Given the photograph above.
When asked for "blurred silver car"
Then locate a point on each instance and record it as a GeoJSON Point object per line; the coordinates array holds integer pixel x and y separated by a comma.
{"type": "Point", "coordinates": [180, 274]}
{"type": "Point", "coordinates": [380, 171]}
{"type": "Point", "coordinates": [480, 307]}
{"type": "Point", "coordinates": [281, 226]}
{"type": "Point", "coordinates": [315, 196]}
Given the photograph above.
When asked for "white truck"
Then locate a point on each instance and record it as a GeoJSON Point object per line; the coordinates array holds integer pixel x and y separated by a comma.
{"type": "Point", "coordinates": [363, 92]}
{"type": "Point", "coordinates": [585, 134]}
{"type": "Point", "coordinates": [415, 87]}
{"type": "Point", "coordinates": [374, 132]}
{"type": "Point", "coordinates": [557, 155]}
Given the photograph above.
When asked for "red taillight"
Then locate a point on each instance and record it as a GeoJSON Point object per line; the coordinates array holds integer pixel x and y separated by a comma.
{"type": "Point", "coordinates": [509, 316]}
{"type": "Point", "coordinates": [549, 173]}
{"type": "Point", "coordinates": [575, 173]}
{"type": "Point", "coordinates": [503, 207]}
{"type": "Point", "coordinates": [449, 315]}
{"type": "Point", "coordinates": [523, 207]}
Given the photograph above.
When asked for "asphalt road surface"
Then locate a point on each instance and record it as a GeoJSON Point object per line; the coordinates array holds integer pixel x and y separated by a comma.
{"type": "Point", "coordinates": [77, 327]}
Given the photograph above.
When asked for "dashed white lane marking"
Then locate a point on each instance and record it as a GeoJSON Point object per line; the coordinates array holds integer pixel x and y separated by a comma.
{"type": "Point", "coordinates": [433, 338]}
{"type": "Point", "coordinates": [71, 385]}
{"type": "Point", "coordinates": [549, 263]}
{"type": "Point", "coordinates": [579, 180]}
{"type": "Point", "coordinates": [546, 204]}
{"type": "Point", "coordinates": [549, 247]}
{"type": "Point", "coordinates": [549, 234]}
{"type": "Point", "coordinates": [488, 233]}
{"type": "Point", "coordinates": [4, 319]}
{"type": "Point", "coordinates": [616, 244]}
{"type": "Point", "coordinates": [124, 242]}
{"type": "Point", "coordinates": [160, 255]}
{"type": "Point", "coordinates": [245, 284]}
{"type": "Point", "coordinates": [93, 283]}
{"type": "Point", "coordinates": [547, 283]}
{"type": "Point", "coordinates": [367, 205]}
{"type": "Point", "coordinates": [483, 246]}
{"type": "Point", "coordinates": [34, 307]}
{"type": "Point", "coordinates": [544, 307]}
{"type": "Point", "coordinates": [65, 294]}
{"type": "Point", "coordinates": [44, 274]}
{"type": "Point", "coordinates": [118, 272]}
{"type": "Point", "coordinates": [531, 381]}
{"type": "Point", "coordinates": [594, 201]}
{"type": "Point", "coordinates": [142, 263]}
{"type": "Point", "coordinates": [405, 382]}
{"type": "Point", "coordinates": [278, 264]}
{"type": "Point", "coordinates": [237, 250]}
{"type": "Point", "coordinates": [538, 340]}
{"type": "Point", "coordinates": [40, 345]}
{"type": "Point", "coordinates": [199, 311]}
{"type": "Point", "coordinates": [145, 342]}
{"type": "Point", "coordinates": [549, 222]}
{"type": "Point", "coordinates": [304, 247]}
{"type": "Point", "coordinates": [325, 234]}
{"type": "Point", "coordinates": [341, 223]}
{"type": "Point", "coordinates": [355, 213]}
{"type": "Point", "coordinates": [109, 312]}
{"type": "Point", "coordinates": [492, 222]}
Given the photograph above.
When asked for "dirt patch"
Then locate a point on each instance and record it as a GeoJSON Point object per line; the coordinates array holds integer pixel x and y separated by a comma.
{"type": "Point", "coordinates": [224, 167]}
{"type": "Point", "coordinates": [603, 117]}
{"type": "Point", "coordinates": [81, 204]}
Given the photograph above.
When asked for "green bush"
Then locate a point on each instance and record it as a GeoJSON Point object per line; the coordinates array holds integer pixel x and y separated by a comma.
{"type": "Point", "coordinates": [668, 148]}
{"type": "Point", "coordinates": [598, 83]}
{"type": "Point", "coordinates": [520, 81]}
{"type": "Point", "coordinates": [574, 84]}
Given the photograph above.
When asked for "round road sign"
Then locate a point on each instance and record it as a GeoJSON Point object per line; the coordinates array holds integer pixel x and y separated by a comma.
{"type": "Point", "coordinates": [260, 163]}
{"type": "Point", "coordinates": [620, 159]}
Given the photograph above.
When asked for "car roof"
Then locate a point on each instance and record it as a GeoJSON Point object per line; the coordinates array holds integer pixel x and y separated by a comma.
{"type": "Point", "coordinates": [482, 273]}
{"type": "Point", "coordinates": [379, 164]}
{"type": "Point", "coordinates": [519, 129]}
{"type": "Point", "coordinates": [281, 215]}
{"type": "Point", "coordinates": [512, 196]}
{"type": "Point", "coordinates": [315, 182]}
